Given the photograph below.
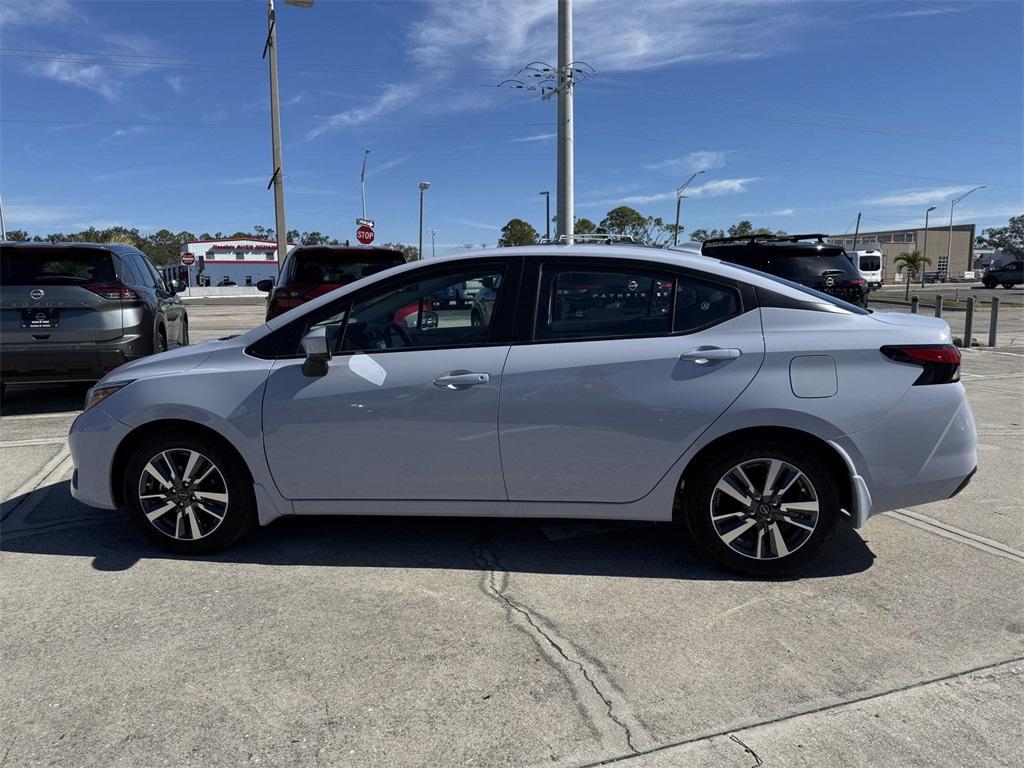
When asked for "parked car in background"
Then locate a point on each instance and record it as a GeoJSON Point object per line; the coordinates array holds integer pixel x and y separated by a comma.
{"type": "Point", "coordinates": [1007, 275]}
{"type": "Point", "coordinates": [935, 277]}
{"type": "Point", "coordinates": [76, 311]}
{"type": "Point", "coordinates": [606, 382]}
{"type": "Point", "coordinates": [804, 259]}
{"type": "Point", "coordinates": [313, 270]}
{"type": "Point", "coordinates": [869, 264]}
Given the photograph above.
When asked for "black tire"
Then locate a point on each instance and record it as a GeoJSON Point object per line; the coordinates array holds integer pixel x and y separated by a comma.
{"type": "Point", "coordinates": [701, 494]}
{"type": "Point", "coordinates": [184, 334]}
{"type": "Point", "coordinates": [476, 320]}
{"type": "Point", "coordinates": [159, 341]}
{"type": "Point", "coordinates": [1007, 286]}
{"type": "Point", "coordinates": [229, 479]}
{"type": "Point", "coordinates": [990, 284]}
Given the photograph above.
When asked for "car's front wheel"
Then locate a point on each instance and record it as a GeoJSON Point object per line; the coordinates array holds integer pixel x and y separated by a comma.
{"type": "Point", "coordinates": [187, 494]}
{"type": "Point", "coordinates": [990, 284]}
{"type": "Point", "coordinates": [764, 510]}
{"type": "Point", "coordinates": [1007, 286]}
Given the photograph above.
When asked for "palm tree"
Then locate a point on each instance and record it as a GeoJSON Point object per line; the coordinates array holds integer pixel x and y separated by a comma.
{"type": "Point", "coordinates": [913, 264]}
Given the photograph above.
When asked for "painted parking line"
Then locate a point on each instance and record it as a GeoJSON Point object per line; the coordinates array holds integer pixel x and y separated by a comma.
{"type": "Point", "coordinates": [33, 441]}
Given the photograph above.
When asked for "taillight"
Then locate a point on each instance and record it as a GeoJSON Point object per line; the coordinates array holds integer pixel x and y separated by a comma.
{"type": "Point", "coordinates": [113, 291]}
{"type": "Point", "coordinates": [283, 299]}
{"type": "Point", "coordinates": [941, 362]}
{"type": "Point", "coordinates": [858, 281]}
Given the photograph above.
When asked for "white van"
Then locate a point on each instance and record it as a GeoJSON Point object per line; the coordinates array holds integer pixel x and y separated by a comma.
{"type": "Point", "coordinates": [869, 264]}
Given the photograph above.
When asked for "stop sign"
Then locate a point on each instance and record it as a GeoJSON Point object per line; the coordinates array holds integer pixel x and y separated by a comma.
{"type": "Point", "coordinates": [364, 235]}
{"type": "Point", "coordinates": [188, 259]}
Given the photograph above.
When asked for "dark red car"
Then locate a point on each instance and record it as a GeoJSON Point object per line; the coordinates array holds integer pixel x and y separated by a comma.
{"type": "Point", "coordinates": [313, 270]}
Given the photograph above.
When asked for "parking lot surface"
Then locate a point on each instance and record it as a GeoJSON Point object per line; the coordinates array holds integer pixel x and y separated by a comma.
{"type": "Point", "coordinates": [412, 642]}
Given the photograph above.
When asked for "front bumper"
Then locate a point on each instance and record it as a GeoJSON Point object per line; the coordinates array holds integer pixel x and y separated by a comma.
{"type": "Point", "coordinates": [93, 440]}
{"type": "Point", "coordinates": [43, 362]}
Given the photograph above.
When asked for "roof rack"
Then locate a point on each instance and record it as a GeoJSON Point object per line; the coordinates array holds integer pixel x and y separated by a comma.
{"type": "Point", "coordinates": [592, 237]}
{"type": "Point", "coordinates": [766, 238]}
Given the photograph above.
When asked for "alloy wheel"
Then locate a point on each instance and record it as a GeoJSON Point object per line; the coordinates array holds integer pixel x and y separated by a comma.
{"type": "Point", "coordinates": [764, 509]}
{"type": "Point", "coordinates": [183, 494]}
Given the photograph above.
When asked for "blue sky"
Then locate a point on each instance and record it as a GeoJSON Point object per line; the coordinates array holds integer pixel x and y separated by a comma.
{"type": "Point", "coordinates": [154, 114]}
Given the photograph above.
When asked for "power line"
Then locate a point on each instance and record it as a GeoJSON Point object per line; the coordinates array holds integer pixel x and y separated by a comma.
{"type": "Point", "coordinates": [946, 9]}
{"type": "Point", "coordinates": [162, 124]}
{"type": "Point", "coordinates": [809, 162]}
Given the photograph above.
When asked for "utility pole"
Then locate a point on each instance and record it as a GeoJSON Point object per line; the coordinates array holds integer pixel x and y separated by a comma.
{"type": "Point", "coordinates": [275, 134]}
{"type": "Point", "coordinates": [856, 232]}
{"type": "Point", "coordinates": [679, 204]}
{"type": "Point", "coordinates": [432, 232]}
{"type": "Point", "coordinates": [362, 182]}
{"type": "Point", "coordinates": [547, 215]}
{"type": "Point", "coordinates": [565, 123]}
{"type": "Point", "coordinates": [3, 227]}
{"type": "Point", "coordinates": [949, 245]}
{"type": "Point", "coordinates": [924, 255]}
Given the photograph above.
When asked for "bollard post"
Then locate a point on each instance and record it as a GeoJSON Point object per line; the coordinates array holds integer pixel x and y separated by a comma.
{"type": "Point", "coordinates": [938, 306]}
{"type": "Point", "coordinates": [993, 321]}
{"type": "Point", "coordinates": [914, 301]}
{"type": "Point", "coordinates": [969, 322]}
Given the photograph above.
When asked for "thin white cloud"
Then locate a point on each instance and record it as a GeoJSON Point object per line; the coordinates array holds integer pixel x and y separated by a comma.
{"type": "Point", "coordinates": [243, 181]}
{"type": "Point", "coordinates": [476, 224]}
{"type": "Point", "coordinates": [176, 83]}
{"type": "Point", "coordinates": [35, 12]}
{"type": "Point", "coordinates": [717, 188]}
{"type": "Point", "coordinates": [701, 160]}
{"type": "Point", "coordinates": [611, 35]}
{"type": "Point", "coordinates": [387, 165]}
{"type": "Point", "coordinates": [780, 212]}
{"type": "Point", "coordinates": [535, 137]}
{"type": "Point", "coordinates": [392, 98]}
{"type": "Point", "coordinates": [125, 133]}
{"type": "Point", "coordinates": [36, 216]}
{"type": "Point", "coordinates": [917, 196]}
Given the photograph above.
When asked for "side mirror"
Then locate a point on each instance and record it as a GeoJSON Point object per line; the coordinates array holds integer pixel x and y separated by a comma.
{"type": "Point", "coordinates": [428, 321]}
{"type": "Point", "coordinates": [318, 352]}
{"type": "Point", "coordinates": [266, 285]}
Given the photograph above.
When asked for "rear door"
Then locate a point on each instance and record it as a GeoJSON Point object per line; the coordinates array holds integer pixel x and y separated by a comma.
{"type": "Point", "coordinates": [58, 294]}
{"type": "Point", "coordinates": [624, 367]}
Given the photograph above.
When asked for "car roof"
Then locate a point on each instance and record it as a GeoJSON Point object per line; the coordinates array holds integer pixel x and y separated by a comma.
{"type": "Point", "coordinates": [677, 257]}
{"type": "Point", "coordinates": [118, 248]}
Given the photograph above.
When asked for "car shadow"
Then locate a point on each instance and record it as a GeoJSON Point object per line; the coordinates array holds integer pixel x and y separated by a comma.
{"type": "Point", "coordinates": [25, 399]}
{"type": "Point", "coordinates": [58, 525]}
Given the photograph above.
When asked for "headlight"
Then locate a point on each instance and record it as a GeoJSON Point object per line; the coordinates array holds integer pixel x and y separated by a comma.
{"type": "Point", "coordinates": [97, 395]}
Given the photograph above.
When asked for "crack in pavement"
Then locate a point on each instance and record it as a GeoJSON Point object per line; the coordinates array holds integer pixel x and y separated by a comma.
{"type": "Point", "coordinates": [739, 741]}
{"type": "Point", "coordinates": [545, 636]}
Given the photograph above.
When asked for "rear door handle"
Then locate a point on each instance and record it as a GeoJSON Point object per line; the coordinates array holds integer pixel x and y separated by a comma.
{"type": "Point", "coordinates": [704, 356]}
{"type": "Point", "coordinates": [461, 380]}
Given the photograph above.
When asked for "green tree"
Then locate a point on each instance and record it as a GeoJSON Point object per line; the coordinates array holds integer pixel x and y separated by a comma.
{"type": "Point", "coordinates": [517, 232]}
{"type": "Point", "coordinates": [17, 235]}
{"type": "Point", "coordinates": [584, 227]}
{"type": "Point", "coordinates": [314, 238]}
{"type": "Point", "coordinates": [700, 235]}
{"type": "Point", "coordinates": [913, 264]}
{"type": "Point", "coordinates": [408, 251]}
{"type": "Point", "coordinates": [740, 229]}
{"type": "Point", "coordinates": [625, 221]}
{"type": "Point", "coordinates": [1009, 239]}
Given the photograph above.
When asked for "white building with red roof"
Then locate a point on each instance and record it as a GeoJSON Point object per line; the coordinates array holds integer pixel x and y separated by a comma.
{"type": "Point", "coordinates": [243, 261]}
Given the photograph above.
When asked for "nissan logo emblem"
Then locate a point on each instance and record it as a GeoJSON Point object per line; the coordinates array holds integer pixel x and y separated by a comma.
{"type": "Point", "coordinates": [632, 285]}
{"type": "Point", "coordinates": [829, 282]}
{"type": "Point", "coordinates": [37, 293]}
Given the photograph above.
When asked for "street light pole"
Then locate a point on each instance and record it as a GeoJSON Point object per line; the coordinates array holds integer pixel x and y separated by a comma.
{"type": "Point", "coordinates": [362, 182]}
{"type": "Point", "coordinates": [277, 180]}
{"type": "Point", "coordinates": [949, 245]}
{"type": "Point", "coordinates": [547, 215]}
{"type": "Point", "coordinates": [679, 204]}
{"type": "Point", "coordinates": [924, 255]}
{"type": "Point", "coordinates": [3, 227]}
{"type": "Point", "coordinates": [424, 186]}
{"type": "Point", "coordinates": [566, 223]}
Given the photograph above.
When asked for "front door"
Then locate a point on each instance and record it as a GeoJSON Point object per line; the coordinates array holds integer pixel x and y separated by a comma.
{"type": "Point", "coordinates": [408, 407]}
{"type": "Point", "coordinates": [626, 368]}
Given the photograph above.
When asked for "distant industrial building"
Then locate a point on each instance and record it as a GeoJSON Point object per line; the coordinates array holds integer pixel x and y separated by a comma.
{"type": "Point", "coordinates": [243, 261]}
{"type": "Point", "coordinates": [893, 242]}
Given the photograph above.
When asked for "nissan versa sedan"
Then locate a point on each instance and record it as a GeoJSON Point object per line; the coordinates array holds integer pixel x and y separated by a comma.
{"type": "Point", "coordinates": [608, 382]}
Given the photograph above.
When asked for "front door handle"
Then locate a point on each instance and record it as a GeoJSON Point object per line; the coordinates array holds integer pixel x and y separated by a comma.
{"type": "Point", "coordinates": [461, 380]}
{"type": "Point", "coordinates": [702, 356]}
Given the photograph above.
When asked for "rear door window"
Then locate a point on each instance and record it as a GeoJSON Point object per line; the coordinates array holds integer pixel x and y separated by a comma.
{"type": "Point", "coordinates": [56, 266]}
{"type": "Point", "coordinates": [802, 268]}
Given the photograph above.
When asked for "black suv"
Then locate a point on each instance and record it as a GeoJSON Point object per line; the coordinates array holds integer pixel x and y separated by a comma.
{"type": "Point", "coordinates": [804, 259]}
{"type": "Point", "coordinates": [75, 311]}
{"type": "Point", "coordinates": [1007, 275]}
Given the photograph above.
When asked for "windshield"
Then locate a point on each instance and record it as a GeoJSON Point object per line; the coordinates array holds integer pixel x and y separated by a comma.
{"type": "Point", "coordinates": [816, 297]}
{"type": "Point", "coordinates": [805, 267]}
{"type": "Point", "coordinates": [330, 266]}
{"type": "Point", "coordinates": [56, 266]}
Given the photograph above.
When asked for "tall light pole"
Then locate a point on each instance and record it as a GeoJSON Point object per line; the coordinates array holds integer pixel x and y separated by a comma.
{"type": "Point", "coordinates": [432, 232]}
{"type": "Point", "coordinates": [949, 245]}
{"type": "Point", "coordinates": [277, 180]}
{"type": "Point", "coordinates": [679, 204]}
{"type": "Point", "coordinates": [566, 223]}
{"type": "Point", "coordinates": [924, 255]}
{"type": "Point", "coordinates": [3, 227]}
{"type": "Point", "coordinates": [547, 215]}
{"type": "Point", "coordinates": [362, 182]}
{"type": "Point", "coordinates": [424, 186]}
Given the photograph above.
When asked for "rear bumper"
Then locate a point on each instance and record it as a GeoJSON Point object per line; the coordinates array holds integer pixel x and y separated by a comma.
{"type": "Point", "coordinates": [93, 439]}
{"type": "Point", "coordinates": [42, 362]}
{"type": "Point", "coordinates": [924, 450]}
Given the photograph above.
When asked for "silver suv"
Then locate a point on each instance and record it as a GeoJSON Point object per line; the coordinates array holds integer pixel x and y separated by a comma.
{"type": "Point", "coordinates": [76, 311]}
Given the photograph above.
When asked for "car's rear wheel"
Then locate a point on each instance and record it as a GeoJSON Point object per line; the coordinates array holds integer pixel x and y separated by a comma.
{"type": "Point", "coordinates": [1007, 286]}
{"type": "Point", "coordinates": [990, 284]}
{"type": "Point", "coordinates": [764, 510]}
{"type": "Point", "coordinates": [184, 334]}
{"type": "Point", "coordinates": [159, 341]}
{"type": "Point", "coordinates": [188, 494]}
